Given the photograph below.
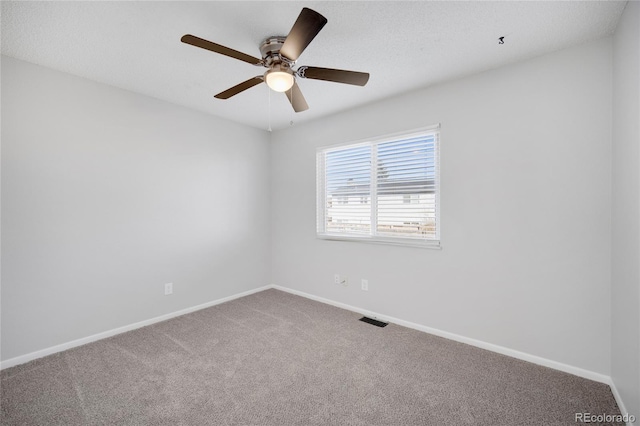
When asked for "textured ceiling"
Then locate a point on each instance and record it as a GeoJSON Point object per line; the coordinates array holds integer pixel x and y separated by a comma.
{"type": "Point", "coordinates": [403, 45]}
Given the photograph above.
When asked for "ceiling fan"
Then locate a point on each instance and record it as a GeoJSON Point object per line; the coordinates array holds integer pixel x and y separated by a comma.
{"type": "Point", "coordinates": [279, 55]}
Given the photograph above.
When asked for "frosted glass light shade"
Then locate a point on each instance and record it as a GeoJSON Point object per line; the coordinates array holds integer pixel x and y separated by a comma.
{"type": "Point", "coordinates": [279, 81]}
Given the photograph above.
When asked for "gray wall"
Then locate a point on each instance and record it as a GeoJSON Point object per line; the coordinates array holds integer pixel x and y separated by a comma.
{"type": "Point", "coordinates": [526, 223]}
{"type": "Point", "coordinates": [107, 195]}
{"type": "Point", "coordinates": [625, 349]}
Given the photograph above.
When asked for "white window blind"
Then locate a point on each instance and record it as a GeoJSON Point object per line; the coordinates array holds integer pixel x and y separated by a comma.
{"type": "Point", "coordinates": [384, 190]}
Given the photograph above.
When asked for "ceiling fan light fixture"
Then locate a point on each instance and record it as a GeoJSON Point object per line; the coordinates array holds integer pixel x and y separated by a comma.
{"type": "Point", "coordinates": [279, 79]}
{"type": "Point", "coordinates": [279, 54]}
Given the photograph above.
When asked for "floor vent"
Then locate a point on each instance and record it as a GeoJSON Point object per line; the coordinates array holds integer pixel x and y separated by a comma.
{"type": "Point", "coordinates": [374, 322]}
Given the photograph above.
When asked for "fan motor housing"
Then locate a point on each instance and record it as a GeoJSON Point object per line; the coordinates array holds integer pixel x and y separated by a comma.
{"type": "Point", "coordinates": [270, 50]}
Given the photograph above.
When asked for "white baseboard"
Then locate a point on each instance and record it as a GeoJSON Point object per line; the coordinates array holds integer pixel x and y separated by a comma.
{"type": "Point", "coordinates": [619, 401]}
{"type": "Point", "coordinates": [83, 341]}
{"type": "Point", "coordinates": [577, 371]}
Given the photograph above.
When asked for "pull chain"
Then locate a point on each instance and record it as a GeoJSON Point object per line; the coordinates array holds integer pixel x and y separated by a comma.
{"type": "Point", "coordinates": [269, 103]}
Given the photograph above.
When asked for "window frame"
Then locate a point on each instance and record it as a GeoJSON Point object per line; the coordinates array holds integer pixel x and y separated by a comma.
{"type": "Point", "coordinates": [321, 192]}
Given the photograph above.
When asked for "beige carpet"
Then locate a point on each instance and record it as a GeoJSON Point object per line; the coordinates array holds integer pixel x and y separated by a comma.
{"type": "Point", "coordinates": [273, 358]}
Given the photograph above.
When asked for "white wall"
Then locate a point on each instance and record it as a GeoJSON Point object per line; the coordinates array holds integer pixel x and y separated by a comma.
{"type": "Point", "coordinates": [107, 195]}
{"type": "Point", "coordinates": [625, 308]}
{"type": "Point", "coordinates": [526, 184]}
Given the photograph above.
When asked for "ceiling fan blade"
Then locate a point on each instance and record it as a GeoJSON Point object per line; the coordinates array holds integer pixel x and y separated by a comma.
{"type": "Point", "coordinates": [240, 87]}
{"type": "Point", "coordinates": [306, 27]}
{"type": "Point", "coordinates": [218, 48]}
{"type": "Point", "coordinates": [297, 100]}
{"type": "Point", "coordinates": [339, 76]}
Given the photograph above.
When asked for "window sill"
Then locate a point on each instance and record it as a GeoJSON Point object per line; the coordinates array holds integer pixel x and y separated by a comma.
{"type": "Point", "coordinates": [428, 244]}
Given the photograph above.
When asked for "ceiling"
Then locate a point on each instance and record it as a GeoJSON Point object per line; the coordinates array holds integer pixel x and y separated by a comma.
{"type": "Point", "coordinates": [403, 45]}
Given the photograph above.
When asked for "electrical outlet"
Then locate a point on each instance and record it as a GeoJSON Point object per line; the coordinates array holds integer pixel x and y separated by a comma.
{"type": "Point", "coordinates": [365, 285]}
{"type": "Point", "coordinates": [336, 279]}
{"type": "Point", "coordinates": [168, 289]}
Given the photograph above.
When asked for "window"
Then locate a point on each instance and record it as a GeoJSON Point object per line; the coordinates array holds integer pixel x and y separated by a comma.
{"type": "Point", "coordinates": [385, 190]}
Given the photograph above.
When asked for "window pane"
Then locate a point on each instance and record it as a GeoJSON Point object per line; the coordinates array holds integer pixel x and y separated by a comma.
{"type": "Point", "coordinates": [348, 183]}
{"type": "Point", "coordinates": [406, 188]}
